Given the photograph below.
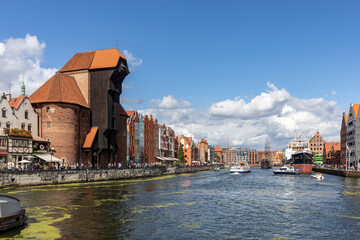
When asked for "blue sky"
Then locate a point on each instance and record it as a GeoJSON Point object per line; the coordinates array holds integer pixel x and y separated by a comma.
{"type": "Point", "coordinates": [195, 57]}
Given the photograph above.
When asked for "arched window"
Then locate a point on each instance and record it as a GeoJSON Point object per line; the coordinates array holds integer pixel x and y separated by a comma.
{"type": "Point", "coordinates": [23, 126]}
{"type": "Point", "coordinates": [29, 127]}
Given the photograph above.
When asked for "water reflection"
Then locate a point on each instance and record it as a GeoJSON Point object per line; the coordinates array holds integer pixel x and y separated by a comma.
{"type": "Point", "coordinates": [215, 205]}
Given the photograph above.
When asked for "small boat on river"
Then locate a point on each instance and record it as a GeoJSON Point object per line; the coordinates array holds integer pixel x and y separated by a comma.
{"type": "Point", "coordinates": [11, 213]}
{"type": "Point", "coordinates": [217, 168]}
{"type": "Point", "coordinates": [318, 176]}
{"type": "Point", "coordinates": [242, 167]}
{"type": "Point", "coordinates": [287, 170]}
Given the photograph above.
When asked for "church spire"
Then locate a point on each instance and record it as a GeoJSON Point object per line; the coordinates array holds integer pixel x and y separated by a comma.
{"type": "Point", "coordinates": [23, 87]}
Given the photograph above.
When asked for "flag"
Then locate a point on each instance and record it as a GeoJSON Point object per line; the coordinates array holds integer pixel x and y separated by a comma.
{"type": "Point", "coordinates": [347, 147]}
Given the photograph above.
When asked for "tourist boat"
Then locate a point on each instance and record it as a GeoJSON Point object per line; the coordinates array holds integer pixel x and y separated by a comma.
{"type": "Point", "coordinates": [303, 160]}
{"type": "Point", "coordinates": [242, 167]}
{"type": "Point", "coordinates": [217, 168]}
{"type": "Point", "coordinates": [287, 170]}
{"type": "Point", "coordinates": [11, 213]}
{"type": "Point", "coordinates": [318, 176]}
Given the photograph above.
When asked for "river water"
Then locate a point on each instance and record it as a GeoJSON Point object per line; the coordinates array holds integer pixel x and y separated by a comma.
{"type": "Point", "coordinates": [204, 205]}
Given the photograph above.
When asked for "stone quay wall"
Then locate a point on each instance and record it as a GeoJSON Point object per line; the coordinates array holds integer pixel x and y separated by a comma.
{"type": "Point", "coordinates": [48, 177]}
{"type": "Point", "coordinates": [349, 173]}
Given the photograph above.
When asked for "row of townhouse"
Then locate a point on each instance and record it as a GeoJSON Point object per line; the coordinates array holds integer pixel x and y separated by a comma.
{"type": "Point", "coordinates": [350, 138]}
{"type": "Point", "coordinates": [148, 141]}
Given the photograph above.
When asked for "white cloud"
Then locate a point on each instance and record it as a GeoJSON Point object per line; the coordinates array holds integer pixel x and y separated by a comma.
{"type": "Point", "coordinates": [22, 57]}
{"type": "Point", "coordinates": [273, 114]}
{"type": "Point", "coordinates": [132, 61]}
{"type": "Point", "coordinates": [333, 92]}
{"type": "Point", "coordinates": [169, 102]}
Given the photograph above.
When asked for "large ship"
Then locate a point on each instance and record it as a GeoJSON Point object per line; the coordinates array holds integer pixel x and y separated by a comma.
{"type": "Point", "coordinates": [303, 160]}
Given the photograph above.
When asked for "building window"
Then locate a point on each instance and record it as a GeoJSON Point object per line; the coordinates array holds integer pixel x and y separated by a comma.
{"type": "Point", "coordinates": [29, 127]}
{"type": "Point", "coordinates": [26, 114]}
{"type": "Point", "coordinates": [8, 125]}
{"type": "Point", "coordinates": [48, 124]}
{"type": "Point", "coordinates": [3, 113]}
{"type": "Point", "coordinates": [23, 126]}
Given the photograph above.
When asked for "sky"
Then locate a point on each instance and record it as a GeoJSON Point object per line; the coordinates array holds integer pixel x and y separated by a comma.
{"type": "Point", "coordinates": [246, 71]}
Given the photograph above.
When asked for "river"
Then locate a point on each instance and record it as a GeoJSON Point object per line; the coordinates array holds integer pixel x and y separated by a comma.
{"type": "Point", "coordinates": [204, 205]}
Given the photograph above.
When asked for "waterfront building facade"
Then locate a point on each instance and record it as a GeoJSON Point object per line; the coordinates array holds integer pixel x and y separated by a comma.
{"type": "Point", "coordinates": [64, 117]}
{"type": "Point", "coordinates": [351, 134]}
{"type": "Point", "coordinates": [203, 151]}
{"type": "Point", "coordinates": [190, 150]}
{"type": "Point", "coordinates": [332, 153]}
{"type": "Point", "coordinates": [252, 157]}
{"type": "Point", "coordinates": [211, 154]}
{"type": "Point", "coordinates": [218, 153]}
{"type": "Point", "coordinates": [316, 145]}
{"type": "Point", "coordinates": [82, 118]}
{"type": "Point", "coordinates": [343, 132]}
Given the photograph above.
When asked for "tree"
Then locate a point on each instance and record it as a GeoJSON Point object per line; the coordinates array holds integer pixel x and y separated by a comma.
{"type": "Point", "coordinates": [181, 154]}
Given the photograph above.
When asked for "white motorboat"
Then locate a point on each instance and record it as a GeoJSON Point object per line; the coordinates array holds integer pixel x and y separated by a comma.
{"type": "Point", "coordinates": [287, 170]}
{"type": "Point", "coordinates": [318, 176]}
{"type": "Point", "coordinates": [242, 167]}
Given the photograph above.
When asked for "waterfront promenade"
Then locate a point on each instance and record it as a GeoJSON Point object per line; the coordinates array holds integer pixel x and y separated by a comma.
{"type": "Point", "coordinates": [45, 177]}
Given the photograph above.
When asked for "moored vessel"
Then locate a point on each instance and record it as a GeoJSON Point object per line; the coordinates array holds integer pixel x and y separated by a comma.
{"type": "Point", "coordinates": [242, 167]}
{"type": "Point", "coordinates": [303, 160]}
{"type": "Point", "coordinates": [287, 170]}
{"type": "Point", "coordinates": [11, 213]}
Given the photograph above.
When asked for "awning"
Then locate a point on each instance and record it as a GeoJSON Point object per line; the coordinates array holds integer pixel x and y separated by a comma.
{"type": "Point", "coordinates": [48, 158]}
{"type": "Point", "coordinates": [89, 140]}
{"type": "Point", "coordinates": [167, 159]}
{"type": "Point", "coordinates": [3, 154]}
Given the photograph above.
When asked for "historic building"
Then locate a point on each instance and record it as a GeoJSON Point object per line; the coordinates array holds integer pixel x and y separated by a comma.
{"type": "Point", "coordinates": [316, 145]}
{"type": "Point", "coordinates": [252, 157]}
{"type": "Point", "coordinates": [203, 151]}
{"type": "Point", "coordinates": [149, 150]}
{"type": "Point", "coordinates": [190, 150]}
{"type": "Point", "coordinates": [351, 134]}
{"type": "Point", "coordinates": [18, 125]}
{"type": "Point", "coordinates": [218, 154]}
{"type": "Point", "coordinates": [79, 108]}
{"type": "Point", "coordinates": [64, 117]}
{"type": "Point", "coordinates": [343, 132]}
{"type": "Point", "coordinates": [211, 154]}
{"type": "Point", "coordinates": [332, 153]}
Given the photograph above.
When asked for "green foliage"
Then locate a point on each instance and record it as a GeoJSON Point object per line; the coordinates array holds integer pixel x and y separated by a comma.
{"type": "Point", "coordinates": [180, 154]}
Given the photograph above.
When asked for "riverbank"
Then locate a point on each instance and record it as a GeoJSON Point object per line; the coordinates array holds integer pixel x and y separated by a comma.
{"type": "Point", "coordinates": [35, 178]}
{"type": "Point", "coordinates": [343, 173]}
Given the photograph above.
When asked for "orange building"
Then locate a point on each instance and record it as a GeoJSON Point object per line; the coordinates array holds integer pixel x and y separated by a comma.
{"type": "Point", "coordinates": [189, 148]}
{"type": "Point", "coordinates": [316, 144]}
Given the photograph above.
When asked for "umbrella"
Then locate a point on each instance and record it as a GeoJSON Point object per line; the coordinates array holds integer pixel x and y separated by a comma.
{"type": "Point", "coordinates": [24, 161]}
{"type": "Point", "coordinates": [29, 156]}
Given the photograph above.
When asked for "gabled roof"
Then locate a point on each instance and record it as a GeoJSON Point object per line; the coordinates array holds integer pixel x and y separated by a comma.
{"type": "Point", "coordinates": [15, 102]}
{"type": "Point", "coordinates": [204, 141]}
{"type": "Point", "coordinates": [346, 118]}
{"type": "Point", "coordinates": [130, 113]}
{"type": "Point", "coordinates": [218, 149]}
{"type": "Point", "coordinates": [60, 88]}
{"type": "Point", "coordinates": [90, 137]}
{"type": "Point", "coordinates": [330, 145]}
{"type": "Point", "coordinates": [107, 58]}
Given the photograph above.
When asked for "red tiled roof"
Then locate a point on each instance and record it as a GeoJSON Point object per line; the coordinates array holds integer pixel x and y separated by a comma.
{"type": "Point", "coordinates": [204, 141]}
{"type": "Point", "coordinates": [89, 140]}
{"type": "Point", "coordinates": [356, 109]}
{"type": "Point", "coordinates": [329, 145]}
{"type": "Point", "coordinates": [131, 113]}
{"type": "Point", "coordinates": [337, 146]}
{"type": "Point", "coordinates": [15, 102]}
{"type": "Point", "coordinates": [218, 149]}
{"type": "Point", "coordinates": [59, 88]}
{"type": "Point", "coordinates": [107, 58]}
{"type": "Point", "coordinates": [346, 118]}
